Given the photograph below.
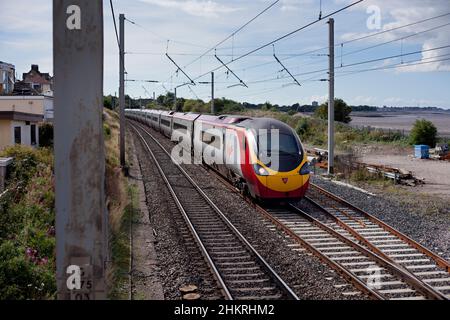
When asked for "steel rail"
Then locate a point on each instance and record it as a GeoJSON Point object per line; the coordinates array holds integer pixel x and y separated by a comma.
{"type": "Point", "coordinates": [269, 270]}
{"type": "Point", "coordinates": [377, 255]}
{"type": "Point", "coordinates": [205, 253]}
{"type": "Point", "coordinates": [380, 257]}
{"type": "Point", "coordinates": [421, 286]}
{"type": "Point", "coordinates": [439, 260]}
{"type": "Point", "coordinates": [344, 272]}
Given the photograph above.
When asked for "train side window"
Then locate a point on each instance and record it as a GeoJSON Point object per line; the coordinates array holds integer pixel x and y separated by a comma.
{"type": "Point", "coordinates": [178, 126]}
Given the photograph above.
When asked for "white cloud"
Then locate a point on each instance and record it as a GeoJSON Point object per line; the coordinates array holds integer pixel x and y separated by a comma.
{"type": "Point", "coordinates": [403, 12]}
{"type": "Point", "coordinates": [363, 100]}
{"type": "Point", "coordinates": [201, 8]}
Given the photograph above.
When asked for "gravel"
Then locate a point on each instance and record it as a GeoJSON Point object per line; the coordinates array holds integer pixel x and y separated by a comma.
{"type": "Point", "coordinates": [308, 277]}
{"type": "Point", "coordinates": [179, 261]}
{"type": "Point", "coordinates": [422, 218]}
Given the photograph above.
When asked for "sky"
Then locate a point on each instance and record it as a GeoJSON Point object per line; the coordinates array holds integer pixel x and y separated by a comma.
{"type": "Point", "coordinates": [187, 29]}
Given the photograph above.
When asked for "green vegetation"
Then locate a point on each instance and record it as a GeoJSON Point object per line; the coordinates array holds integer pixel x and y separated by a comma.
{"type": "Point", "coordinates": [121, 200]}
{"type": "Point", "coordinates": [27, 226]}
{"type": "Point", "coordinates": [120, 249]}
{"type": "Point", "coordinates": [341, 111]}
{"type": "Point", "coordinates": [424, 132]}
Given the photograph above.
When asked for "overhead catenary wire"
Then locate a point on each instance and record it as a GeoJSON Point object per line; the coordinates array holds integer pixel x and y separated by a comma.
{"type": "Point", "coordinates": [179, 69]}
{"type": "Point", "coordinates": [284, 68]}
{"type": "Point", "coordinates": [397, 39]}
{"type": "Point", "coordinates": [163, 38]}
{"type": "Point", "coordinates": [348, 41]}
{"type": "Point", "coordinates": [355, 63]}
{"type": "Point", "coordinates": [233, 33]}
{"type": "Point", "coordinates": [241, 82]}
{"type": "Point", "coordinates": [282, 37]}
{"type": "Point", "coordinates": [114, 21]}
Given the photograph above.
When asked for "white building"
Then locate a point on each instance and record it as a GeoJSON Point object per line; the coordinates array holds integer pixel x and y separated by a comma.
{"type": "Point", "coordinates": [20, 117]}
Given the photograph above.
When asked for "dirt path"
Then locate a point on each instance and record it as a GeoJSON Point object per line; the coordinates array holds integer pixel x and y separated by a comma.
{"type": "Point", "coordinates": [144, 268]}
{"type": "Point", "coordinates": [436, 173]}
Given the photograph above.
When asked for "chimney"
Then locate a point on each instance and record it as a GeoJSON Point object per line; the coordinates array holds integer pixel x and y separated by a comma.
{"type": "Point", "coordinates": [35, 67]}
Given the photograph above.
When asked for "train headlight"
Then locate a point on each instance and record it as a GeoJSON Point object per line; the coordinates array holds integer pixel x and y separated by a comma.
{"type": "Point", "coordinates": [305, 169]}
{"type": "Point", "coordinates": [260, 170]}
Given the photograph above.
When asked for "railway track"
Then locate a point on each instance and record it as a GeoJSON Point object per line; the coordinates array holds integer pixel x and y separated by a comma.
{"type": "Point", "coordinates": [382, 271]}
{"type": "Point", "coordinates": [241, 273]}
{"type": "Point", "coordinates": [385, 241]}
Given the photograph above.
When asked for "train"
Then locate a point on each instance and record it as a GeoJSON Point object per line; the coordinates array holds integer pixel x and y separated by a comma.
{"type": "Point", "coordinates": [262, 157]}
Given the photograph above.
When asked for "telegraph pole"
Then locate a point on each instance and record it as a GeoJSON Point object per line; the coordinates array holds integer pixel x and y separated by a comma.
{"type": "Point", "coordinates": [81, 216]}
{"type": "Point", "coordinates": [331, 99]}
{"type": "Point", "coordinates": [122, 89]}
{"type": "Point", "coordinates": [213, 110]}
{"type": "Point", "coordinates": [175, 99]}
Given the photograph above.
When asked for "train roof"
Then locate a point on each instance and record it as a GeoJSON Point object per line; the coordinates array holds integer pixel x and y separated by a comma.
{"type": "Point", "coordinates": [265, 123]}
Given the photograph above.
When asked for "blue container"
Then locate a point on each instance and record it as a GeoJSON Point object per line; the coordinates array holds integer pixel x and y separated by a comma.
{"type": "Point", "coordinates": [422, 151]}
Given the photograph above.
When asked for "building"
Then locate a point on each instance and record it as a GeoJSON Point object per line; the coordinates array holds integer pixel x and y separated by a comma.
{"type": "Point", "coordinates": [7, 78]}
{"type": "Point", "coordinates": [315, 104]}
{"type": "Point", "coordinates": [40, 82]}
{"type": "Point", "coordinates": [20, 117]}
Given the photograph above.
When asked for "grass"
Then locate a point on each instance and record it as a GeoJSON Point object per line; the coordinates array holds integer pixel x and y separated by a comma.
{"type": "Point", "coordinates": [122, 203]}
{"type": "Point", "coordinates": [120, 249]}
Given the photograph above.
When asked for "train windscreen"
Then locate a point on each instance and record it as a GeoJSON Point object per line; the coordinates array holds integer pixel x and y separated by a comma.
{"type": "Point", "coordinates": [282, 150]}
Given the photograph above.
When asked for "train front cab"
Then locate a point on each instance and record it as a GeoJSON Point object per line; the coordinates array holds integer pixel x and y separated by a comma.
{"type": "Point", "coordinates": [288, 180]}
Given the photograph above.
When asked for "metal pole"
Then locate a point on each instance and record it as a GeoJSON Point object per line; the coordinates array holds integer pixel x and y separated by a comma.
{"type": "Point", "coordinates": [213, 110]}
{"type": "Point", "coordinates": [122, 89]}
{"type": "Point", "coordinates": [81, 216]}
{"type": "Point", "coordinates": [331, 99]}
{"type": "Point", "coordinates": [175, 100]}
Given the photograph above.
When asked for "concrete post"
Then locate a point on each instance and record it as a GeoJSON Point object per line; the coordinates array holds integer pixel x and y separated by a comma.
{"type": "Point", "coordinates": [81, 230]}
{"type": "Point", "coordinates": [331, 99]}
{"type": "Point", "coordinates": [122, 89]}
{"type": "Point", "coordinates": [175, 100]}
{"type": "Point", "coordinates": [213, 109]}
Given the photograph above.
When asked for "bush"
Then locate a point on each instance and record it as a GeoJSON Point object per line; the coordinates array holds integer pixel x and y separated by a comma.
{"type": "Point", "coordinates": [26, 161]}
{"type": "Point", "coordinates": [424, 132]}
{"type": "Point", "coordinates": [291, 112]}
{"type": "Point", "coordinates": [27, 220]}
{"type": "Point", "coordinates": [20, 277]}
{"type": "Point", "coordinates": [341, 111]}
{"type": "Point", "coordinates": [302, 127]}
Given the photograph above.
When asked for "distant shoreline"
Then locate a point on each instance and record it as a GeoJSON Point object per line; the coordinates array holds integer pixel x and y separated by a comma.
{"type": "Point", "coordinates": [401, 120]}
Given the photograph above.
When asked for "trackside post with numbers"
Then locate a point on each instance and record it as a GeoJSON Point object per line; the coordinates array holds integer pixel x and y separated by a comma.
{"type": "Point", "coordinates": [81, 219]}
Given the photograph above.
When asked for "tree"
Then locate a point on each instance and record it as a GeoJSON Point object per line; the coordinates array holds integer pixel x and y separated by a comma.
{"type": "Point", "coordinates": [107, 102]}
{"type": "Point", "coordinates": [424, 132]}
{"type": "Point", "coordinates": [341, 111]}
{"type": "Point", "coordinates": [194, 106]}
{"type": "Point", "coordinates": [169, 99]}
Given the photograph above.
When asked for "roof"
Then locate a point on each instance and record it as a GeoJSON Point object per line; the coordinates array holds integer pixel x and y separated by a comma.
{"type": "Point", "coordinates": [265, 123]}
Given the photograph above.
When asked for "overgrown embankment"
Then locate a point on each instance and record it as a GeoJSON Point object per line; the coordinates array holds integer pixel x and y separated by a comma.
{"type": "Point", "coordinates": [27, 221]}
{"type": "Point", "coordinates": [27, 226]}
{"type": "Point", "coordinates": [121, 206]}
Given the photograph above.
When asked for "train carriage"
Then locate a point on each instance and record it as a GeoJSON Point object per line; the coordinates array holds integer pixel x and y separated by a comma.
{"type": "Point", "coordinates": [263, 157]}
